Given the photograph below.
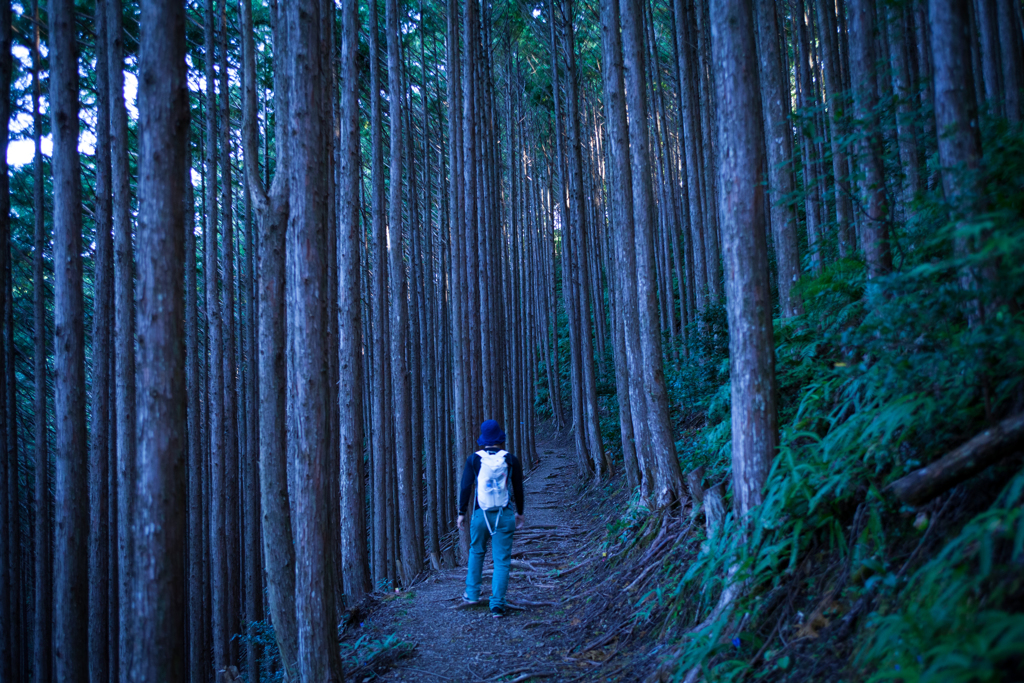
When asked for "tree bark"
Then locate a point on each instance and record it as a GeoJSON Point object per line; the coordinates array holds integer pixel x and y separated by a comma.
{"type": "Point", "coordinates": [956, 118]}
{"type": "Point", "coordinates": [780, 153]}
{"type": "Point", "coordinates": [875, 236]}
{"type": "Point", "coordinates": [124, 324]}
{"type": "Point", "coordinates": [1013, 64]}
{"type": "Point", "coordinates": [72, 505]}
{"type": "Point", "coordinates": [410, 552]}
{"type": "Point", "coordinates": [215, 370]}
{"type": "Point", "coordinates": [836, 118]}
{"type": "Point", "coordinates": [102, 319]}
{"type": "Point", "coordinates": [748, 294]}
{"type": "Point", "coordinates": [159, 591]}
{"type": "Point", "coordinates": [196, 460]}
{"type": "Point", "coordinates": [232, 531]}
{"type": "Point", "coordinates": [627, 339]}
{"type": "Point", "coordinates": [963, 462]}
{"type": "Point", "coordinates": [811, 161]}
{"type": "Point", "coordinates": [306, 310]}
{"type": "Point", "coordinates": [901, 85]}
{"type": "Point", "coordinates": [272, 215]}
{"type": "Point", "coordinates": [8, 470]}
{"type": "Point", "coordinates": [667, 485]}
{"type": "Point", "coordinates": [355, 566]}
{"type": "Point", "coordinates": [42, 635]}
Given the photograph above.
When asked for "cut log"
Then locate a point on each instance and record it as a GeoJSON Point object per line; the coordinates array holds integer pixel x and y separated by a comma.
{"type": "Point", "coordinates": [962, 463]}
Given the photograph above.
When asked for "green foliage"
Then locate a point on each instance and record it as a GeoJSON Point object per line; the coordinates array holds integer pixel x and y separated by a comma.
{"type": "Point", "coordinates": [874, 382]}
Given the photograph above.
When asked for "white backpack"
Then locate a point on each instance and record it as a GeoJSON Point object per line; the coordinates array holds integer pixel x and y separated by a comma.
{"type": "Point", "coordinates": [492, 482]}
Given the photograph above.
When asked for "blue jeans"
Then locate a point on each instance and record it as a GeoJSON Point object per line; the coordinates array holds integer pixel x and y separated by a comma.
{"type": "Point", "coordinates": [503, 523]}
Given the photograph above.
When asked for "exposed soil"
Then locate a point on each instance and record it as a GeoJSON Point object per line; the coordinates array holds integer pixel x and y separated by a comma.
{"type": "Point", "coordinates": [540, 636]}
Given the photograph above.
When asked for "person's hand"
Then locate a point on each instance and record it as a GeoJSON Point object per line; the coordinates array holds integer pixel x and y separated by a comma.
{"type": "Point", "coordinates": [458, 522]}
{"type": "Point", "coordinates": [520, 521]}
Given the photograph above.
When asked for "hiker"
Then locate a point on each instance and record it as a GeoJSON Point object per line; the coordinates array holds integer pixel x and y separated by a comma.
{"type": "Point", "coordinates": [491, 468]}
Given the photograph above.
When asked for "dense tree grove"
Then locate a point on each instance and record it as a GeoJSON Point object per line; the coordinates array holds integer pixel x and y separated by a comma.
{"type": "Point", "coordinates": [268, 264]}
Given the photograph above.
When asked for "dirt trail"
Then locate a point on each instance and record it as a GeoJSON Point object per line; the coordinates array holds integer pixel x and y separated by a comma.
{"type": "Point", "coordinates": [535, 640]}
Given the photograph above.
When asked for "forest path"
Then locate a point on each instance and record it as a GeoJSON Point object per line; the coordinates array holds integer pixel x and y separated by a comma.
{"type": "Point", "coordinates": [535, 641]}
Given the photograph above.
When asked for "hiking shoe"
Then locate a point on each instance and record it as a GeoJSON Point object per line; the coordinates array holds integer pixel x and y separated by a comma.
{"type": "Point", "coordinates": [467, 601]}
{"type": "Point", "coordinates": [497, 612]}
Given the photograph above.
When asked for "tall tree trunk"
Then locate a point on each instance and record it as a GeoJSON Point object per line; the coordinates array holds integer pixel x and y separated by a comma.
{"type": "Point", "coordinates": [410, 552]}
{"type": "Point", "coordinates": [748, 294]}
{"type": "Point", "coordinates": [774, 88]}
{"type": "Point", "coordinates": [70, 580]}
{"type": "Point", "coordinates": [196, 579]}
{"type": "Point", "coordinates": [901, 85]}
{"type": "Point", "coordinates": [955, 116]}
{"type": "Point", "coordinates": [124, 327]}
{"type": "Point", "coordinates": [991, 63]}
{"type": "Point", "coordinates": [215, 365]}
{"type": "Point", "coordinates": [667, 484]}
{"type": "Point", "coordinates": [230, 400]}
{"type": "Point", "coordinates": [355, 566]}
{"type": "Point", "coordinates": [568, 288]}
{"type": "Point", "coordinates": [811, 161]}
{"type": "Point", "coordinates": [42, 635]}
{"type": "Point", "coordinates": [836, 120]}
{"type": "Point", "coordinates": [272, 215]}
{"type": "Point", "coordinates": [1013, 61]}
{"type": "Point", "coordinates": [577, 233]}
{"type": "Point", "coordinates": [632, 404]}
{"type": "Point", "coordinates": [428, 333]}
{"type": "Point", "coordinates": [306, 310]}
{"type": "Point", "coordinates": [380, 420]}
{"type": "Point", "coordinates": [9, 473]}
{"type": "Point", "coordinates": [875, 237]}
{"type": "Point", "coordinates": [102, 319]}
{"type": "Point", "coordinates": [159, 592]}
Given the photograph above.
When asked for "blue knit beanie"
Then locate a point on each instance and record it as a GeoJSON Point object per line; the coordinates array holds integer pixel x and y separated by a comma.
{"type": "Point", "coordinates": [490, 433]}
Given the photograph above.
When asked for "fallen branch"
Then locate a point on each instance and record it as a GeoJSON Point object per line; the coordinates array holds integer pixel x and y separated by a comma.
{"type": "Point", "coordinates": [962, 463]}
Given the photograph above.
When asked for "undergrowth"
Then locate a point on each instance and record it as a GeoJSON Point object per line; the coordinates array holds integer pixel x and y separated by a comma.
{"type": "Point", "coordinates": [836, 579]}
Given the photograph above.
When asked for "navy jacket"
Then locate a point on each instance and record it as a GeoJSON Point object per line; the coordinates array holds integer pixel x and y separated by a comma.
{"type": "Point", "coordinates": [472, 469]}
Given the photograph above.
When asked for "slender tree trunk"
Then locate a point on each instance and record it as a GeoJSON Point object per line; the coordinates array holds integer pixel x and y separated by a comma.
{"type": "Point", "coordinates": [959, 143]}
{"type": "Point", "coordinates": [380, 412]}
{"type": "Point", "coordinates": [627, 341]}
{"type": "Point", "coordinates": [901, 85]}
{"type": "Point", "coordinates": [306, 310]}
{"type": "Point", "coordinates": [1013, 61]}
{"type": "Point", "coordinates": [215, 387]}
{"type": "Point", "coordinates": [836, 118]}
{"type": "Point", "coordinates": [355, 566]}
{"type": "Point", "coordinates": [42, 635]}
{"type": "Point", "coordinates": [196, 580]}
{"type": "Point", "coordinates": [875, 237]}
{"type": "Point", "coordinates": [272, 216]}
{"type": "Point", "coordinates": [806, 98]}
{"type": "Point", "coordinates": [780, 152]}
{"type": "Point", "coordinates": [124, 327]}
{"type": "Point", "coordinates": [578, 234]}
{"type": "Point", "coordinates": [72, 504]}
{"type": "Point", "coordinates": [159, 592]}
{"type": "Point", "coordinates": [667, 480]}
{"type": "Point", "coordinates": [8, 470]}
{"type": "Point", "coordinates": [102, 323]}
{"type": "Point", "coordinates": [232, 530]}
{"type": "Point", "coordinates": [748, 294]}
{"type": "Point", "coordinates": [410, 552]}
